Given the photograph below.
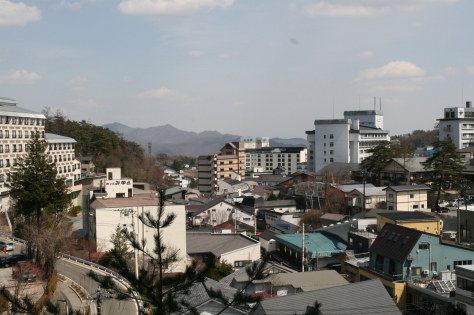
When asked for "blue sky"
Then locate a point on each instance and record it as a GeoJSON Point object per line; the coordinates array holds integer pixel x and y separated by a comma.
{"type": "Point", "coordinates": [261, 68]}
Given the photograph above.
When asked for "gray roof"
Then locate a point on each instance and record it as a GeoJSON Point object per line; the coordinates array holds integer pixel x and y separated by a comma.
{"type": "Point", "coordinates": [373, 213]}
{"type": "Point", "coordinates": [9, 110]}
{"type": "Point", "coordinates": [412, 164]}
{"type": "Point", "coordinates": [408, 216]}
{"type": "Point", "coordinates": [278, 203]}
{"type": "Point", "coordinates": [349, 188]}
{"type": "Point", "coordinates": [267, 235]}
{"type": "Point", "coordinates": [366, 297]}
{"type": "Point", "coordinates": [243, 271]}
{"type": "Point", "coordinates": [305, 281]}
{"type": "Point", "coordinates": [334, 217]}
{"type": "Point", "coordinates": [54, 138]}
{"type": "Point", "coordinates": [339, 167]}
{"type": "Point", "coordinates": [217, 244]}
{"type": "Point", "coordinates": [372, 191]}
{"type": "Point", "coordinates": [285, 227]}
{"type": "Point", "coordinates": [408, 187]}
{"type": "Point", "coordinates": [199, 293]}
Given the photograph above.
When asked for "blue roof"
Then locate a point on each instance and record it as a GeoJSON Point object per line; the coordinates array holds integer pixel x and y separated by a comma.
{"type": "Point", "coordinates": [318, 244]}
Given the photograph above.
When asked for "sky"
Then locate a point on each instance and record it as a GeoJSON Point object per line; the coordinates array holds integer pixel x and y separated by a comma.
{"type": "Point", "coordinates": [245, 67]}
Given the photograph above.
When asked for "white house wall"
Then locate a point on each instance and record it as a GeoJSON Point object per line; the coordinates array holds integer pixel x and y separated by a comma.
{"type": "Point", "coordinates": [249, 253]}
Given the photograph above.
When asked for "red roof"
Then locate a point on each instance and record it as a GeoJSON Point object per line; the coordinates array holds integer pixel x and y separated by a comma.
{"type": "Point", "coordinates": [262, 295]}
{"type": "Point", "coordinates": [225, 225]}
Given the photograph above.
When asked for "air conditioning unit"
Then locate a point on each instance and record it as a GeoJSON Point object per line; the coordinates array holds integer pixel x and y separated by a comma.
{"type": "Point", "coordinates": [426, 272]}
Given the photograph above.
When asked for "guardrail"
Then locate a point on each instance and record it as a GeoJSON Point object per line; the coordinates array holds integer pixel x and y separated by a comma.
{"type": "Point", "coordinates": [136, 297]}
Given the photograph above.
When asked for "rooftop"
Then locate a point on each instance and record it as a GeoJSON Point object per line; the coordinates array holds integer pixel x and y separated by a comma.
{"type": "Point", "coordinates": [319, 244]}
{"type": "Point", "coordinates": [408, 188]}
{"type": "Point", "coordinates": [408, 216]}
{"type": "Point", "coordinates": [54, 138]}
{"type": "Point", "coordinates": [217, 244]}
{"type": "Point", "coordinates": [136, 200]}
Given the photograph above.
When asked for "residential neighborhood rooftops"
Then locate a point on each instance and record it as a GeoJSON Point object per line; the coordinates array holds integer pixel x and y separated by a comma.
{"type": "Point", "coordinates": [408, 188]}
{"type": "Point", "coordinates": [217, 244]}
{"type": "Point", "coordinates": [408, 216]}
{"type": "Point", "coordinates": [361, 298]}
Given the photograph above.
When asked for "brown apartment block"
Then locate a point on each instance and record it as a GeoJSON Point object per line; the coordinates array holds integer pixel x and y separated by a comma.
{"type": "Point", "coordinates": [229, 163]}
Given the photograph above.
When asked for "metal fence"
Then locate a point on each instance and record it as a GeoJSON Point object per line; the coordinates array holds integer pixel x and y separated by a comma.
{"type": "Point", "coordinates": [119, 277]}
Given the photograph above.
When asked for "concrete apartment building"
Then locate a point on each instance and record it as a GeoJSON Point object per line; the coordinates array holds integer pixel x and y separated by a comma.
{"type": "Point", "coordinates": [229, 163]}
{"type": "Point", "coordinates": [458, 125]}
{"type": "Point", "coordinates": [345, 140]}
{"type": "Point", "coordinates": [266, 159]}
{"type": "Point", "coordinates": [255, 142]}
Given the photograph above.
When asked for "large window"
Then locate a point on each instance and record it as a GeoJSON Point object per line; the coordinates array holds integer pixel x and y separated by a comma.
{"type": "Point", "coordinates": [416, 271]}
{"type": "Point", "coordinates": [241, 263]}
{"type": "Point", "coordinates": [462, 262]}
{"type": "Point", "coordinates": [424, 246]}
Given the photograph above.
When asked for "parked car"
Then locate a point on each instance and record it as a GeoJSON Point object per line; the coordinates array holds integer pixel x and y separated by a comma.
{"type": "Point", "coordinates": [6, 262]}
{"type": "Point", "coordinates": [7, 245]}
{"type": "Point", "coordinates": [443, 209]}
{"type": "Point", "coordinates": [443, 203]}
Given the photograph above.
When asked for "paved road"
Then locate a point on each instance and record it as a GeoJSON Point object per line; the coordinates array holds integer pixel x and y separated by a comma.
{"type": "Point", "coordinates": [78, 273]}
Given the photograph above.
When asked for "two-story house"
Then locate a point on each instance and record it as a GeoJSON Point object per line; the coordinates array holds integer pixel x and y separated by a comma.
{"type": "Point", "coordinates": [407, 197]}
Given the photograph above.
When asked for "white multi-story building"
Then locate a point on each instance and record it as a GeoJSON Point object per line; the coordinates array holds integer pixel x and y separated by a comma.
{"type": "Point", "coordinates": [255, 142]}
{"type": "Point", "coordinates": [458, 124]}
{"type": "Point", "coordinates": [345, 140]}
{"type": "Point", "coordinates": [264, 160]}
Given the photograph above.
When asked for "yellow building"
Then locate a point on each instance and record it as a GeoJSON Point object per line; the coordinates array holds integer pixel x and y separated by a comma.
{"type": "Point", "coordinates": [417, 220]}
{"type": "Point", "coordinates": [407, 197]}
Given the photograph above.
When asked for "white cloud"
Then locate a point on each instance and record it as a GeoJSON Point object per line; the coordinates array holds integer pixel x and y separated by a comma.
{"type": "Point", "coordinates": [470, 69]}
{"type": "Point", "coordinates": [88, 104]}
{"type": "Point", "coordinates": [196, 53]}
{"type": "Point", "coordinates": [158, 93]}
{"type": "Point", "coordinates": [366, 53]}
{"type": "Point", "coordinates": [127, 79]}
{"type": "Point", "coordinates": [71, 5]}
{"type": "Point", "coordinates": [169, 7]}
{"type": "Point", "coordinates": [368, 8]}
{"type": "Point", "coordinates": [17, 13]}
{"type": "Point", "coordinates": [449, 70]}
{"type": "Point", "coordinates": [19, 77]}
{"type": "Point", "coordinates": [77, 83]}
{"type": "Point", "coordinates": [223, 56]}
{"type": "Point", "coordinates": [393, 70]}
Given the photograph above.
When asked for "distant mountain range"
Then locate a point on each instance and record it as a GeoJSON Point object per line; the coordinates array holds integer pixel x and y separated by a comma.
{"type": "Point", "coordinates": [170, 140]}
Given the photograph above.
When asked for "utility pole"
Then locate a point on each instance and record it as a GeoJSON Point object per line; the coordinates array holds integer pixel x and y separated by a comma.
{"type": "Point", "coordinates": [302, 250]}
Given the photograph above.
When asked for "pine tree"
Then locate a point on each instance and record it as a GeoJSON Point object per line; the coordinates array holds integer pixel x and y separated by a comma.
{"type": "Point", "coordinates": [379, 158]}
{"type": "Point", "coordinates": [445, 166]}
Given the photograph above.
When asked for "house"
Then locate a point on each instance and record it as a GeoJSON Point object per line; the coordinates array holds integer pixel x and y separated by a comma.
{"type": "Point", "coordinates": [239, 278]}
{"type": "Point", "coordinates": [232, 187]}
{"type": "Point", "coordinates": [320, 249]}
{"type": "Point", "coordinates": [407, 197]}
{"type": "Point", "coordinates": [457, 124]}
{"type": "Point", "coordinates": [237, 249]}
{"type": "Point", "coordinates": [202, 297]}
{"type": "Point", "coordinates": [401, 255]}
{"type": "Point", "coordinates": [403, 171]}
{"type": "Point", "coordinates": [345, 140]}
{"type": "Point", "coordinates": [218, 211]}
{"type": "Point", "coordinates": [174, 193]}
{"type": "Point", "coordinates": [273, 216]}
{"type": "Point", "coordinates": [333, 218]}
{"type": "Point", "coordinates": [374, 197]}
{"type": "Point", "coordinates": [281, 284]}
{"type": "Point", "coordinates": [107, 213]}
{"type": "Point", "coordinates": [277, 205]}
{"type": "Point", "coordinates": [267, 242]}
{"type": "Point", "coordinates": [233, 226]}
{"type": "Point", "coordinates": [465, 287]}
{"type": "Point", "coordinates": [420, 221]}
{"type": "Point", "coordinates": [367, 297]}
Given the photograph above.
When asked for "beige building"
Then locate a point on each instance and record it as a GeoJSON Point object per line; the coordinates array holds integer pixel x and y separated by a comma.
{"type": "Point", "coordinates": [229, 163]}
{"type": "Point", "coordinates": [407, 197]}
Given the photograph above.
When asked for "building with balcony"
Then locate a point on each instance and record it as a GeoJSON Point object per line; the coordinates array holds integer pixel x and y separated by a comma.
{"type": "Point", "coordinates": [229, 163]}
{"type": "Point", "coordinates": [458, 125]}
{"type": "Point", "coordinates": [345, 140]}
{"type": "Point", "coordinates": [265, 160]}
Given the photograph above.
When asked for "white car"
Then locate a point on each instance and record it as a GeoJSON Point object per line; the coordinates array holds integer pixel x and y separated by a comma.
{"type": "Point", "coordinates": [7, 245]}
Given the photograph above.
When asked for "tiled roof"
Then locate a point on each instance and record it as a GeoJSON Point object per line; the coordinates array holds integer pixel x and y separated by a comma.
{"type": "Point", "coordinates": [412, 164]}
{"type": "Point", "coordinates": [217, 244]}
{"type": "Point", "coordinates": [199, 293]}
{"type": "Point", "coordinates": [361, 298]}
{"type": "Point", "coordinates": [408, 187]}
{"type": "Point", "coordinates": [349, 188]}
{"type": "Point", "coordinates": [267, 235]}
{"type": "Point", "coordinates": [278, 203]}
{"type": "Point", "coordinates": [372, 191]}
{"type": "Point", "coordinates": [285, 227]}
{"type": "Point", "coordinates": [333, 217]}
{"type": "Point", "coordinates": [395, 242]}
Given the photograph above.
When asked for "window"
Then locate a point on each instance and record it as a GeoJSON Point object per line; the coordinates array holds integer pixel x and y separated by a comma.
{"type": "Point", "coordinates": [324, 143]}
{"type": "Point", "coordinates": [7, 163]}
{"type": "Point", "coordinates": [26, 133]}
{"type": "Point", "coordinates": [20, 148]}
{"type": "Point", "coordinates": [331, 151]}
{"type": "Point", "coordinates": [7, 148]}
{"type": "Point", "coordinates": [462, 262]}
{"type": "Point", "coordinates": [7, 134]}
{"type": "Point", "coordinates": [424, 246]}
{"type": "Point", "coordinates": [241, 263]}
{"type": "Point", "coordinates": [390, 207]}
{"type": "Point", "coordinates": [1, 163]}
{"type": "Point", "coordinates": [331, 160]}
{"type": "Point", "coordinates": [13, 133]}
{"type": "Point", "coordinates": [331, 144]}
{"type": "Point", "coordinates": [416, 271]}
{"type": "Point", "coordinates": [324, 136]}
{"type": "Point", "coordinates": [8, 177]}
{"type": "Point", "coordinates": [324, 160]}
{"type": "Point", "coordinates": [415, 206]}
{"type": "Point", "coordinates": [13, 120]}
{"type": "Point", "coordinates": [390, 195]}
{"type": "Point", "coordinates": [1, 133]}
{"type": "Point", "coordinates": [412, 195]}
{"type": "Point", "coordinates": [368, 200]}
{"type": "Point", "coordinates": [433, 266]}
{"type": "Point", "coordinates": [14, 148]}
{"type": "Point", "coordinates": [32, 134]}
{"type": "Point", "coordinates": [331, 136]}
{"type": "Point", "coordinates": [20, 135]}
